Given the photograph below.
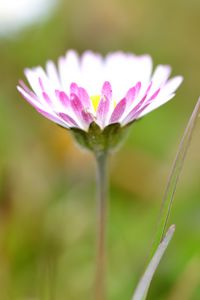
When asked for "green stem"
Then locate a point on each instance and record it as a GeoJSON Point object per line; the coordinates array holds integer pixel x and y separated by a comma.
{"type": "Point", "coordinates": [100, 286]}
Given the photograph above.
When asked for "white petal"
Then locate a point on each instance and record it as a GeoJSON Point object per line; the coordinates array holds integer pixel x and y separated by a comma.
{"type": "Point", "coordinates": [157, 103]}
{"type": "Point", "coordinates": [91, 72]}
{"type": "Point", "coordinates": [52, 74]}
{"type": "Point", "coordinates": [46, 111]}
{"type": "Point", "coordinates": [33, 81]}
{"type": "Point", "coordinates": [69, 69]}
{"type": "Point", "coordinates": [125, 70]}
{"type": "Point", "coordinates": [34, 76]}
{"type": "Point", "coordinates": [172, 85]}
{"type": "Point", "coordinates": [140, 69]}
{"type": "Point", "coordinates": [30, 99]}
{"type": "Point", "coordinates": [166, 93]}
{"type": "Point", "coordinates": [160, 75]}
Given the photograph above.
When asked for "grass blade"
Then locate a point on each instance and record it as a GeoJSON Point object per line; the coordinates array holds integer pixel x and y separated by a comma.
{"type": "Point", "coordinates": [161, 242]}
{"type": "Point", "coordinates": [174, 176]}
{"type": "Point", "coordinates": [143, 286]}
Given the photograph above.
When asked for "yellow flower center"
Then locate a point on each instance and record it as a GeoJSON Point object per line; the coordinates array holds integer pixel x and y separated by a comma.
{"type": "Point", "coordinates": [95, 101]}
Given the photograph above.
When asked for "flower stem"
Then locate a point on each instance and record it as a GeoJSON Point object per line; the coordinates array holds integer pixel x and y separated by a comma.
{"type": "Point", "coordinates": [100, 286]}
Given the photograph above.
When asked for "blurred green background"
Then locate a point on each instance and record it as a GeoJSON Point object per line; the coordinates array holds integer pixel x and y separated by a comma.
{"type": "Point", "coordinates": [47, 184]}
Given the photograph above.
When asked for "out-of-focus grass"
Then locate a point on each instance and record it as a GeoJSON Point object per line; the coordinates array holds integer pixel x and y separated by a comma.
{"type": "Point", "coordinates": [47, 186]}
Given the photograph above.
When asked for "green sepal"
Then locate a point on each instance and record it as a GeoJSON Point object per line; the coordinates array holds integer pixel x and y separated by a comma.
{"type": "Point", "coordinates": [98, 140]}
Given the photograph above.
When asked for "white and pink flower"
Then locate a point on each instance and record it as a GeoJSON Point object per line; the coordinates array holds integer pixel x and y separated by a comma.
{"type": "Point", "coordinates": [119, 88]}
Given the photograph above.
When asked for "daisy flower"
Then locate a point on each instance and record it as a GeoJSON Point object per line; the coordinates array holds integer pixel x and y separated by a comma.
{"type": "Point", "coordinates": [89, 90]}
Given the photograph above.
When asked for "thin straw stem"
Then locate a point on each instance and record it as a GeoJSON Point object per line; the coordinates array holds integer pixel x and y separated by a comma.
{"type": "Point", "coordinates": [102, 188]}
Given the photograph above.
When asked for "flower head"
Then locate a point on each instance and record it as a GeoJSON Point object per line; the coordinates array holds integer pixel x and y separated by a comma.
{"type": "Point", "coordinates": [87, 91]}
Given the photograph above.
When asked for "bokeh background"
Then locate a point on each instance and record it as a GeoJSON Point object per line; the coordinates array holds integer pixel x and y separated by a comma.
{"type": "Point", "coordinates": [47, 184]}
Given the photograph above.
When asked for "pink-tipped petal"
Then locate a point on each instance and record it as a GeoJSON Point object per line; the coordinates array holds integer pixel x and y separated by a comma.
{"type": "Point", "coordinates": [133, 93]}
{"type": "Point", "coordinates": [139, 105]}
{"type": "Point", "coordinates": [63, 98]}
{"type": "Point", "coordinates": [155, 104]}
{"type": "Point", "coordinates": [165, 94]}
{"type": "Point", "coordinates": [41, 84]}
{"type": "Point", "coordinates": [52, 117]}
{"type": "Point", "coordinates": [76, 104]}
{"type": "Point", "coordinates": [107, 90]}
{"type": "Point", "coordinates": [155, 94]}
{"type": "Point", "coordinates": [46, 98]}
{"type": "Point", "coordinates": [138, 114]}
{"type": "Point", "coordinates": [118, 111]}
{"type": "Point", "coordinates": [79, 111]}
{"type": "Point", "coordinates": [102, 111]}
{"type": "Point", "coordinates": [134, 114]}
{"type": "Point", "coordinates": [38, 106]}
{"type": "Point", "coordinates": [27, 90]}
{"type": "Point", "coordinates": [74, 88]}
{"type": "Point", "coordinates": [87, 117]}
{"type": "Point", "coordinates": [84, 97]}
{"type": "Point", "coordinates": [67, 119]}
{"type": "Point", "coordinates": [134, 111]}
{"type": "Point", "coordinates": [34, 102]}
